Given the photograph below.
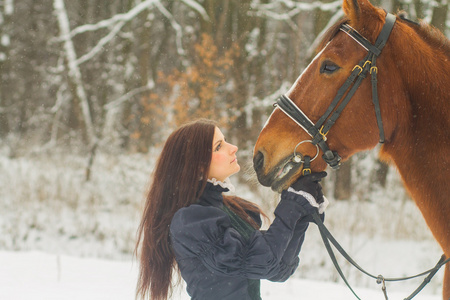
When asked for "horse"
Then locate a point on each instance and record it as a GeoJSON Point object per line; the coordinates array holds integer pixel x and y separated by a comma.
{"type": "Point", "coordinates": [405, 105]}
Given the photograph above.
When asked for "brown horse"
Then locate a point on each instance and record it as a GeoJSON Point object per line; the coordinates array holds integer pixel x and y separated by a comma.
{"type": "Point", "coordinates": [414, 98]}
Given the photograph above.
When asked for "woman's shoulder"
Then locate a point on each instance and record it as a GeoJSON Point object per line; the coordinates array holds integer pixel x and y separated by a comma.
{"type": "Point", "coordinates": [196, 209]}
{"type": "Point", "coordinates": [196, 215]}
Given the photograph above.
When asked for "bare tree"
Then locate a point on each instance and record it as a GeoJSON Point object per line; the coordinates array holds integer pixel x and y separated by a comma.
{"type": "Point", "coordinates": [74, 73]}
{"type": "Point", "coordinates": [440, 15]}
{"type": "Point", "coordinates": [5, 65]}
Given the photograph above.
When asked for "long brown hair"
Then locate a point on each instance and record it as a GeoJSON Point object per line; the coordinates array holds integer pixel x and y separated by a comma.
{"type": "Point", "coordinates": [179, 179]}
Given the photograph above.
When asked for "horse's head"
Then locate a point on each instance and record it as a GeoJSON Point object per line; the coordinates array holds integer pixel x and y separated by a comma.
{"type": "Point", "coordinates": [356, 128]}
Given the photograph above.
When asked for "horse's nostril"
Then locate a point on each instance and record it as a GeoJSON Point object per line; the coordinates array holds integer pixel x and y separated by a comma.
{"type": "Point", "coordinates": [258, 161]}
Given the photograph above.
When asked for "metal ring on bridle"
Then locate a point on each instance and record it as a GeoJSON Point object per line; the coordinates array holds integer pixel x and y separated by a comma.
{"type": "Point", "coordinates": [297, 157]}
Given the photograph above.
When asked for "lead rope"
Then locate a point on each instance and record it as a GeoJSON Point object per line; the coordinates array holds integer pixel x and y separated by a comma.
{"type": "Point", "coordinates": [327, 237]}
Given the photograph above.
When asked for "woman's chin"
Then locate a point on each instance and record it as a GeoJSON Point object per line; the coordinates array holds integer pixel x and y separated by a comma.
{"type": "Point", "coordinates": [238, 168]}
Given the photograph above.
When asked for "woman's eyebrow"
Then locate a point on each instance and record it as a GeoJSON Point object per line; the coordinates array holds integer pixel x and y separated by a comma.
{"type": "Point", "coordinates": [217, 142]}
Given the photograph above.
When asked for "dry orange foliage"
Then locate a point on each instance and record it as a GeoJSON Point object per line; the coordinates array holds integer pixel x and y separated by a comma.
{"type": "Point", "coordinates": [199, 91]}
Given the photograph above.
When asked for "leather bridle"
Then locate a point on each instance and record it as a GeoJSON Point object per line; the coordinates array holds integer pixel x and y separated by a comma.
{"type": "Point", "coordinates": [320, 129]}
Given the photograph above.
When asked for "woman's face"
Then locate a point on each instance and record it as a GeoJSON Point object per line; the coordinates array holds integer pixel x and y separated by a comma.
{"type": "Point", "coordinates": [224, 161]}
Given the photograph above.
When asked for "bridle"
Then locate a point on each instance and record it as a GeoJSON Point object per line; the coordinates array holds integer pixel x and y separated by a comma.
{"type": "Point", "coordinates": [320, 129]}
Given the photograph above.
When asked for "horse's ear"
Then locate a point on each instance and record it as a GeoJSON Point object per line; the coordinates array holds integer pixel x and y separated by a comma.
{"type": "Point", "coordinates": [352, 10]}
{"type": "Point", "coordinates": [359, 12]}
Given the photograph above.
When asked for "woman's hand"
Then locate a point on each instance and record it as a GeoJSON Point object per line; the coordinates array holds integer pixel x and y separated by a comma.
{"type": "Point", "coordinates": [299, 201]}
{"type": "Point", "coordinates": [311, 184]}
{"type": "Point", "coordinates": [309, 187]}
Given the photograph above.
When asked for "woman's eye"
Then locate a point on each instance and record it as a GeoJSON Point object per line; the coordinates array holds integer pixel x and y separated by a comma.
{"type": "Point", "coordinates": [218, 147]}
{"type": "Point", "coordinates": [328, 67]}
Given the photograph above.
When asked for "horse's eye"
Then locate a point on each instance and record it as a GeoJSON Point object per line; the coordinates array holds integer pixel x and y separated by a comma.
{"type": "Point", "coordinates": [328, 67]}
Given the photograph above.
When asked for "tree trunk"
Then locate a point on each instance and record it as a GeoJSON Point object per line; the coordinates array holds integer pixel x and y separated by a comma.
{"type": "Point", "coordinates": [5, 68]}
{"type": "Point", "coordinates": [74, 72]}
{"type": "Point", "coordinates": [343, 182]}
{"type": "Point", "coordinates": [321, 19]}
{"type": "Point", "coordinates": [440, 15]}
{"type": "Point", "coordinates": [381, 172]}
{"type": "Point", "coordinates": [418, 6]}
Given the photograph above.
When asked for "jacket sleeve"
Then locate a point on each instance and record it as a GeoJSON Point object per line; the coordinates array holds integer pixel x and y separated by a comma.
{"type": "Point", "coordinates": [290, 260]}
{"type": "Point", "coordinates": [206, 233]}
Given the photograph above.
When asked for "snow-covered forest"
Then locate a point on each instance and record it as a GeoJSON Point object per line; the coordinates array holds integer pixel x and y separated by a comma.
{"type": "Point", "coordinates": [90, 89]}
{"type": "Point", "coordinates": [119, 75]}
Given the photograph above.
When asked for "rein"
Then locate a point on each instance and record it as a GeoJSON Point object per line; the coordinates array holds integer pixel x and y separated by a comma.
{"type": "Point", "coordinates": [319, 131]}
{"type": "Point", "coordinates": [328, 238]}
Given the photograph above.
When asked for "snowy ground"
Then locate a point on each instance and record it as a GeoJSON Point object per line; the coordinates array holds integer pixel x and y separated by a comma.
{"type": "Point", "coordinates": [41, 276]}
{"type": "Point", "coordinates": [64, 238]}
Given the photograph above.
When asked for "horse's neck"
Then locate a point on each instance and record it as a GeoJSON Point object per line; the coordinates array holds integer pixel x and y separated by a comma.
{"type": "Point", "coordinates": [428, 88]}
{"type": "Point", "coordinates": [425, 173]}
{"type": "Point", "coordinates": [421, 58]}
{"type": "Point", "coordinates": [424, 126]}
{"type": "Point", "coordinates": [421, 148]}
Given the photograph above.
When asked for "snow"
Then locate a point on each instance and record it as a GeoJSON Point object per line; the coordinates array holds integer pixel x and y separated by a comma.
{"type": "Point", "coordinates": [64, 238]}
{"type": "Point", "coordinates": [43, 276]}
{"type": "Point", "coordinates": [38, 275]}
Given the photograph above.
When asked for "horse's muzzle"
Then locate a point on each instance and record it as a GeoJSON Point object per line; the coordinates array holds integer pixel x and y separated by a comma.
{"type": "Point", "coordinates": [279, 175]}
{"type": "Point", "coordinates": [258, 165]}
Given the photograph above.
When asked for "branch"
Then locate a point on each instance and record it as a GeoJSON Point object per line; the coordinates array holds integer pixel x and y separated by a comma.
{"type": "Point", "coordinates": [268, 100]}
{"type": "Point", "coordinates": [108, 23]}
{"type": "Point", "coordinates": [116, 23]}
{"type": "Point", "coordinates": [339, 14]}
{"type": "Point", "coordinates": [290, 5]}
{"type": "Point", "coordinates": [128, 95]}
{"type": "Point", "coordinates": [273, 9]}
{"type": "Point", "coordinates": [177, 27]}
{"type": "Point", "coordinates": [194, 5]}
{"type": "Point", "coordinates": [103, 41]}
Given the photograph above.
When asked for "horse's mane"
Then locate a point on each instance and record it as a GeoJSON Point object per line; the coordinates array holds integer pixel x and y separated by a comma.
{"type": "Point", "coordinates": [430, 34]}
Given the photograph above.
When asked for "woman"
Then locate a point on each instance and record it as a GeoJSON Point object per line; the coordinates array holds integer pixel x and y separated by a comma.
{"type": "Point", "coordinates": [214, 240]}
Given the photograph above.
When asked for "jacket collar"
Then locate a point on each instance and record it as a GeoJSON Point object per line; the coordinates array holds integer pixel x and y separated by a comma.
{"type": "Point", "coordinates": [212, 195]}
{"type": "Point", "coordinates": [225, 184]}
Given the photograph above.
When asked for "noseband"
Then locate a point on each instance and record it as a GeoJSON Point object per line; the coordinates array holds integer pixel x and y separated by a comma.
{"type": "Point", "coordinates": [319, 131]}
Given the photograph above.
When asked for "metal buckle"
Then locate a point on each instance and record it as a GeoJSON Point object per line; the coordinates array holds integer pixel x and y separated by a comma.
{"type": "Point", "coordinates": [367, 61]}
{"type": "Point", "coordinates": [323, 134]}
{"type": "Point", "coordinates": [357, 67]}
{"type": "Point", "coordinates": [306, 171]}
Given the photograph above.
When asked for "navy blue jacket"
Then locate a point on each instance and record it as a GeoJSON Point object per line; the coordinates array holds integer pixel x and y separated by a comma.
{"type": "Point", "coordinates": [216, 261]}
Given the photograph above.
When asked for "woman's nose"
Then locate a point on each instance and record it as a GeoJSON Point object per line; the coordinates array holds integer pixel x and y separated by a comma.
{"type": "Point", "coordinates": [233, 148]}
